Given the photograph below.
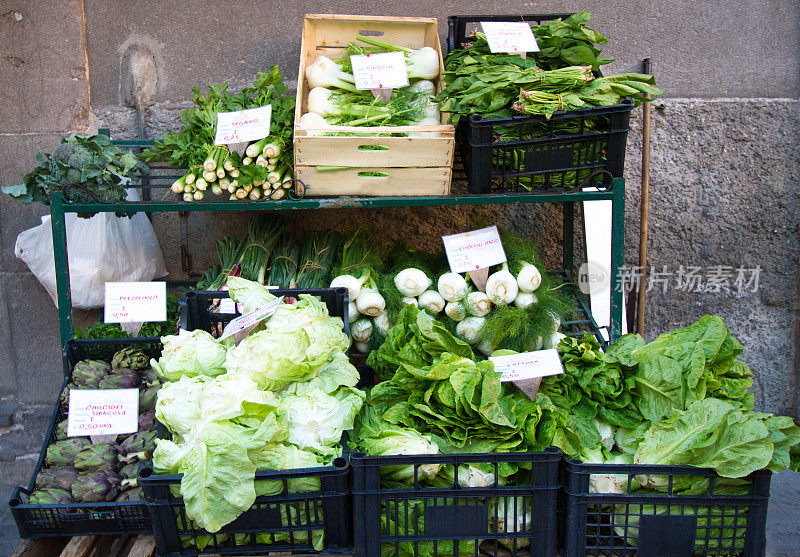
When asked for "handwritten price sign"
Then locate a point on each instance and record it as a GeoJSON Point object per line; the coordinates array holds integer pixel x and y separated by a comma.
{"type": "Point", "coordinates": [250, 320]}
{"type": "Point", "coordinates": [243, 125]}
{"type": "Point", "coordinates": [103, 412]}
{"type": "Point", "coordinates": [386, 70]}
{"type": "Point", "coordinates": [513, 37]}
{"type": "Point", "coordinates": [527, 365]}
{"type": "Point", "coordinates": [470, 251]}
{"type": "Point", "coordinates": [135, 302]}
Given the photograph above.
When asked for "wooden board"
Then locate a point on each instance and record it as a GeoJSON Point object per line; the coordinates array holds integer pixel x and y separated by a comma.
{"type": "Point", "coordinates": [400, 181]}
{"type": "Point", "coordinates": [354, 151]}
{"type": "Point", "coordinates": [328, 35]}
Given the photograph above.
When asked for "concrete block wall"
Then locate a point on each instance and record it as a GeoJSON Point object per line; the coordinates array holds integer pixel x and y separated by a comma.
{"type": "Point", "coordinates": [725, 157]}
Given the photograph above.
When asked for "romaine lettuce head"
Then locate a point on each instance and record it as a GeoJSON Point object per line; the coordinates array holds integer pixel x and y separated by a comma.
{"type": "Point", "coordinates": [377, 437]}
{"type": "Point", "coordinates": [274, 359]}
{"type": "Point", "coordinates": [316, 420]}
{"type": "Point", "coordinates": [250, 294]}
{"type": "Point", "coordinates": [190, 353]}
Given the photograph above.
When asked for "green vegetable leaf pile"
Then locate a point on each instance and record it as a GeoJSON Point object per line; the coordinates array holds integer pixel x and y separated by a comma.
{"type": "Point", "coordinates": [83, 168]}
{"type": "Point", "coordinates": [189, 146]}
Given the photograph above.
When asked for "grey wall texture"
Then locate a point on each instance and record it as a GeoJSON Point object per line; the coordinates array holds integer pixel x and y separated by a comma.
{"type": "Point", "coordinates": [725, 155]}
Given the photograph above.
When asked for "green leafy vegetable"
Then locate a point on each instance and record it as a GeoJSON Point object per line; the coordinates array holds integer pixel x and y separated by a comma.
{"type": "Point", "coordinates": [84, 169]}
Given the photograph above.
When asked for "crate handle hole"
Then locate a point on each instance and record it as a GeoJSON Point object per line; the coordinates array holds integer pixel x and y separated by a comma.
{"type": "Point", "coordinates": [340, 463]}
{"type": "Point", "coordinates": [373, 174]}
{"type": "Point", "coordinates": [370, 33]}
{"type": "Point", "coordinates": [373, 147]}
{"type": "Point", "coordinates": [145, 472]}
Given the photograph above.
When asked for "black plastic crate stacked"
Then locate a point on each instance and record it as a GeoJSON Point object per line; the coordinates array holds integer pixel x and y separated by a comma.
{"type": "Point", "coordinates": [283, 522]}
{"type": "Point", "coordinates": [531, 153]}
{"type": "Point", "coordinates": [694, 512]}
{"type": "Point", "coordinates": [435, 522]}
{"type": "Point", "coordinates": [77, 519]}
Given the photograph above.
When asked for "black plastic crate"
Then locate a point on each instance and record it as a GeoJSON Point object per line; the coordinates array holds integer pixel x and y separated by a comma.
{"type": "Point", "coordinates": [710, 518]}
{"type": "Point", "coordinates": [531, 153]}
{"type": "Point", "coordinates": [283, 522]}
{"type": "Point", "coordinates": [456, 520]}
{"type": "Point", "coordinates": [199, 311]}
{"type": "Point", "coordinates": [81, 519]}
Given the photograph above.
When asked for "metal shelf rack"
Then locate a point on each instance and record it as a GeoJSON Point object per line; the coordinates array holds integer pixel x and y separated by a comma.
{"type": "Point", "coordinates": [161, 177]}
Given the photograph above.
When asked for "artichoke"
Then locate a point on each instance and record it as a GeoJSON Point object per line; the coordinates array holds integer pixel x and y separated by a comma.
{"type": "Point", "coordinates": [120, 379]}
{"type": "Point", "coordinates": [130, 358]}
{"type": "Point", "coordinates": [61, 430]}
{"type": "Point", "coordinates": [61, 477]}
{"type": "Point", "coordinates": [49, 496]}
{"type": "Point", "coordinates": [133, 494]}
{"type": "Point", "coordinates": [129, 471]}
{"type": "Point", "coordinates": [63, 453]}
{"type": "Point", "coordinates": [147, 420]}
{"type": "Point", "coordinates": [102, 456]}
{"type": "Point", "coordinates": [147, 398]}
{"type": "Point", "coordinates": [87, 373]}
{"type": "Point", "coordinates": [139, 446]}
{"type": "Point", "coordinates": [150, 377]}
{"type": "Point", "coordinates": [94, 487]}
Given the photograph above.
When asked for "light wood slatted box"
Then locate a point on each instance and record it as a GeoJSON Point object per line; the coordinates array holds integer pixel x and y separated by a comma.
{"type": "Point", "coordinates": [413, 165]}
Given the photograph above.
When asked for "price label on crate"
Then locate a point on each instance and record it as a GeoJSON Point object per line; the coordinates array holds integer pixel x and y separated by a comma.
{"type": "Point", "coordinates": [102, 412]}
{"type": "Point", "coordinates": [128, 302]}
{"type": "Point", "coordinates": [512, 37]}
{"type": "Point", "coordinates": [385, 70]}
{"type": "Point", "coordinates": [244, 323]}
{"type": "Point", "coordinates": [470, 251]}
{"type": "Point", "coordinates": [243, 125]}
{"type": "Point", "coordinates": [528, 365]}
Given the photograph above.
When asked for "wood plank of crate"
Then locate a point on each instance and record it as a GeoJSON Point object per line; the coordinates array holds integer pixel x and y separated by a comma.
{"type": "Point", "coordinates": [81, 546]}
{"type": "Point", "coordinates": [401, 181]}
{"type": "Point", "coordinates": [143, 546]}
{"type": "Point", "coordinates": [355, 151]}
{"type": "Point", "coordinates": [44, 547]}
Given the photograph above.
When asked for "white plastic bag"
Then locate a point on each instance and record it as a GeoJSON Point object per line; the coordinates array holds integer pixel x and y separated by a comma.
{"type": "Point", "coordinates": [104, 248]}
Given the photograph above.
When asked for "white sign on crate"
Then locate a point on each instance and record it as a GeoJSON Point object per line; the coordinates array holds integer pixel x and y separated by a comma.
{"type": "Point", "coordinates": [528, 365]}
{"type": "Point", "coordinates": [513, 37]}
{"type": "Point", "coordinates": [385, 70]}
{"type": "Point", "coordinates": [470, 251]}
{"type": "Point", "coordinates": [135, 302]}
{"type": "Point", "coordinates": [102, 412]}
{"type": "Point", "coordinates": [249, 320]}
{"type": "Point", "coordinates": [243, 125]}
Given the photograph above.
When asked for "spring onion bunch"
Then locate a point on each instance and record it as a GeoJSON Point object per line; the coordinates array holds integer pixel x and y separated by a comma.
{"type": "Point", "coordinates": [264, 172]}
{"type": "Point", "coordinates": [283, 261]}
{"type": "Point", "coordinates": [320, 249]}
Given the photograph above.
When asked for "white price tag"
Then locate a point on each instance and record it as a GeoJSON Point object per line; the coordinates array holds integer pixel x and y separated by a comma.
{"type": "Point", "coordinates": [226, 305]}
{"type": "Point", "coordinates": [128, 302]}
{"type": "Point", "coordinates": [248, 320]}
{"type": "Point", "coordinates": [528, 365]}
{"type": "Point", "coordinates": [243, 125]}
{"type": "Point", "coordinates": [470, 251]}
{"type": "Point", "coordinates": [513, 37]}
{"type": "Point", "coordinates": [385, 70]}
{"type": "Point", "coordinates": [103, 412]}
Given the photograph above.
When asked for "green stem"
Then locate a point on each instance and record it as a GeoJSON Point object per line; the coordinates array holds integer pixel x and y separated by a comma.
{"type": "Point", "coordinates": [388, 46]}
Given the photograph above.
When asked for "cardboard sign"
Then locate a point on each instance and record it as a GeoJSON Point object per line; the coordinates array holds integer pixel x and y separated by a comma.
{"type": "Point", "coordinates": [385, 70]}
{"type": "Point", "coordinates": [528, 365]}
{"type": "Point", "coordinates": [102, 412]}
{"type": "Point", "coordinates": [243, 125]}
{"type": "Point", "coordinates": [513, 37]}
{"type": "Point", "coordinates": [470, 251]}
{"type": "Point", "coordinates": [128, 302]}
{"type": "Point", "coordinates": [250, 320]}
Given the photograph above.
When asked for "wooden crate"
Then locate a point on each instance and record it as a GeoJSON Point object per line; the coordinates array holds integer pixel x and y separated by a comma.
{"type": "Point", "coordinates": [408, 165]}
